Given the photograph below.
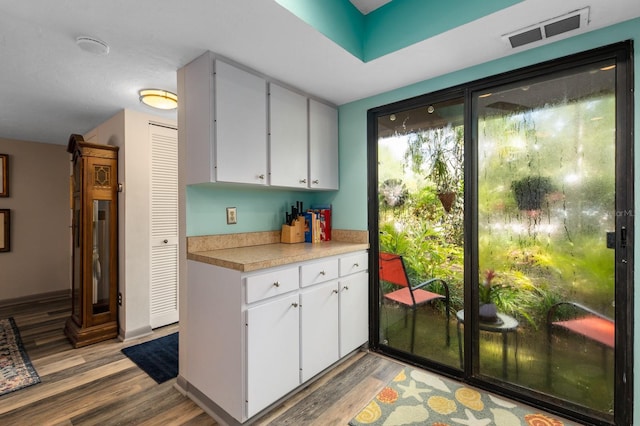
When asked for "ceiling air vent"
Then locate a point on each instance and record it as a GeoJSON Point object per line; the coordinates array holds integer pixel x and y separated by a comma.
{"type": "Point", "coordinates": [552, 27]}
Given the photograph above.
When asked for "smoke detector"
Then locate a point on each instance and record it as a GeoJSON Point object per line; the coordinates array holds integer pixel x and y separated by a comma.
{"type": "Point", "coordinates": [559, 25]}
{"type": "Point", "coordinates": [92, 45]}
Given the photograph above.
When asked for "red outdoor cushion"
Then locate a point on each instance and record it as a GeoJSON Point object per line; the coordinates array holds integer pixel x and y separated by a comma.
{"type": "Point", "coordinates": [595, 328]}
{"type": "Point", "coordinates": [403, 296]}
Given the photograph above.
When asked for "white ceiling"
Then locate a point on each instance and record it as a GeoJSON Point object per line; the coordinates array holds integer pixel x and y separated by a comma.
{"type": "Point", "coordinates": [50, 88]}
{"type": "Point", "coordinates": [366, 6]}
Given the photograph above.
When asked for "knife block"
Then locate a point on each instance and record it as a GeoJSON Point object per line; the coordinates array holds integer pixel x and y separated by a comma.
{"type": "Point", "coordinates": [293, 233]}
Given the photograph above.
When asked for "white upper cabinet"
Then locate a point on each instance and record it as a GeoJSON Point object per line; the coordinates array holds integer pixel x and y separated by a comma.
{"type": "Point", "coordinates": [288, 151]}
{"type": "Point", "coordinates": [323, 146]}
{"type": "Point", "coordinates": [241, 125]}
{"type": "Point", "coordinates": [195, 113]}
{"type": "Point", "coordinates": [235, 131]}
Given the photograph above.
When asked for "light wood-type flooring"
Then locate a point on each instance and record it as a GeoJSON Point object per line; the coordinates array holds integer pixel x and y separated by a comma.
{"type": "Point", "coordinates": [98, 385]}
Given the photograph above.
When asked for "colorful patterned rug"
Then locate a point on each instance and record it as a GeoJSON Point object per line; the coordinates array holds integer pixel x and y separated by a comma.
{"type": "Point", "coordinates": [416, 397]}
{"type": "Point", "coordinates": [16, 371]}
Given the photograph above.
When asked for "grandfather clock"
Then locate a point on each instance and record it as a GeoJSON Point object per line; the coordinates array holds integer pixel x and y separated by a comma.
{"type": "Point", "coordinates": [94, 289]}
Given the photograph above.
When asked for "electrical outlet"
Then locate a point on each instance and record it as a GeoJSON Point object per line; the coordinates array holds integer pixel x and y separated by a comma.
{"type": "Point", "coordinates": [232, 217]}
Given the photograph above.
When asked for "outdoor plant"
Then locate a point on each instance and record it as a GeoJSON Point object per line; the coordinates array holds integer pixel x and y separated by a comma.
{"type": "Point", "coordinates": [437, 155]}
{"type": "Point", "coordinates": [488, 310]}
{"type": "Point", "coordinates": [530, 191]}
{"type": "Point", "coordinates": [485, 288]}
{"type": "Point", "coordinates": [393, 192]}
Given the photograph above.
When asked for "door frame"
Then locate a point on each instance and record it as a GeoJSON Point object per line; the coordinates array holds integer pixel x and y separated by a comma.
{"type": "Point", "coordinates": [624, 227]}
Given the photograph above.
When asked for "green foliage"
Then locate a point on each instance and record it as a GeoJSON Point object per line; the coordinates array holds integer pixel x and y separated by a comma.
{"type": "Point", "coordinates": [539, 258]}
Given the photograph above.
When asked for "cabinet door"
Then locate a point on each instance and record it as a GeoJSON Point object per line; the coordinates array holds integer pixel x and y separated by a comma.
{"type": "Point", "coordinates": [164, 226]}
{"type": "Point", "coordinates": [288, 154]}
{"type": "Point", "coordinates": [241, 125]}
{"type": "Point", "coordinates": [319, 328]}
{"type": "Point", "coordinates": [354, 312]}
{"type": "Point", "coordinates": [273, 351]}
{"type": "Point", "coordinates": [323, 146]}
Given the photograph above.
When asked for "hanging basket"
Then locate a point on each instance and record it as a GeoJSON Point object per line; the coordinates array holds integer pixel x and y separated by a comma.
{"type": "Point", "coordinates": [531, 191]}
{"type": "Point", "coordinates": [447, 199]}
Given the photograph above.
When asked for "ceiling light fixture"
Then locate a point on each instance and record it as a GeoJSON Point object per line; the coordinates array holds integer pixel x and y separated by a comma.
{"type": "Point", "coordinates": [160, 99]}
{"type": "Point", "coordinates": [92, 45]}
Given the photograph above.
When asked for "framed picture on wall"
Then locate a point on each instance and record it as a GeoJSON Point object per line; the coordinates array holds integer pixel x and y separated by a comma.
{"type": "Point", "coordinates": [5, 227]}
{"type": "Point", "coordinates": [4, 175]}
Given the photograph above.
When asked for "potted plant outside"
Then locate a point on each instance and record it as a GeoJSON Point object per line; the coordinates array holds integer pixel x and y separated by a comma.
{"type": "Point", "coordinates": [445, 185]}
{"type": "Point", "coordinates": [488, 312]}
{"type": "Point", "coordinates": [530, 191]}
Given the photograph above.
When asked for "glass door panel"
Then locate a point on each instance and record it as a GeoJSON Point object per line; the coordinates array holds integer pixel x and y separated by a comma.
{"type": "Point", "coordinates": [421, 222]}
{"type": "Point", "coordinates": [546, 200]}
{"type": "Point", "coordinates": [100, 252]}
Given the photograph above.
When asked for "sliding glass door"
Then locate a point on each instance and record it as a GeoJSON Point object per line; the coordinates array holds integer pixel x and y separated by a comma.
{"type": "Point", "coordinates": [503, 233]}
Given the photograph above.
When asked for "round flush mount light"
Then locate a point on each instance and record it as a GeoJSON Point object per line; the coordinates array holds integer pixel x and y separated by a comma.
{"type": "Point", "coordinates": [92, 45]}
{"type": "Point", "coordinates": [160, 99]}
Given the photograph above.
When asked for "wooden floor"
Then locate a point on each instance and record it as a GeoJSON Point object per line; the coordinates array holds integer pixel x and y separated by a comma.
{"type": "Point", "coordinates": [98, 385]}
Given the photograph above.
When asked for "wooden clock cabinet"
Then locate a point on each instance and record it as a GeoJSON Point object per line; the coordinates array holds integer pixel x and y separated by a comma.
{"type": "Point", "coordinates": [94, 203]}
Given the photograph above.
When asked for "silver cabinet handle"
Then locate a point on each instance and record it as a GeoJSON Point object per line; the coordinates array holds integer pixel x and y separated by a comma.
{"type": "Point", "coordinates": [355, 265]}
{"type": "Point", "coordinates": [165, 241]}
{"type": "Point", "coordinates": [303, 181]}
{"type": "Point", "coordinates": [261, 177]}
{"type": "Point", "coordinates": [276, 284]}
{"type": "Point", "coordinates": [335, 292]}
{"type": "Point", "coordinates": [295, 305]}
{"type": "Point", "coordinates": [316, 181]}
{"type": "Point", "coordinates": [345, 288]}
{"type": "Point", "coordinates": [322, 273]}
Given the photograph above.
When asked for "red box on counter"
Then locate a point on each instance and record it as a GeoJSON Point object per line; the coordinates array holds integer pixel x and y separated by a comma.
{"type": "Point", "coordinates": [325, 224]}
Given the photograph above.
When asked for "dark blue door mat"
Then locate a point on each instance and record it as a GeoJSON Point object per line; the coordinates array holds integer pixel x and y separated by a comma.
{"type": "Point", "coordinates": [158, 358]}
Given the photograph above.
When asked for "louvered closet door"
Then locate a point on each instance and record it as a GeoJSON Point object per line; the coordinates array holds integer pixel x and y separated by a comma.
{"type": "Point", "coordinates": [164, 225]}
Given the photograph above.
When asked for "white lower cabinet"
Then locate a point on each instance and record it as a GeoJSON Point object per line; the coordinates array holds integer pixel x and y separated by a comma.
{"type": "Point", "coordinates": [273, 342]}
{"type": "Point", "coordinates": [254, 337]}
{"type": "Point", "coordinates": [319, 328]}
{"type": "Point", "coordinates": [354, 312]}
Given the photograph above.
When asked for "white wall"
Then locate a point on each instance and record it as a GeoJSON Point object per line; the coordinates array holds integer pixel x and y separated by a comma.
{"type": "Point", "coordinates": [129, 130]}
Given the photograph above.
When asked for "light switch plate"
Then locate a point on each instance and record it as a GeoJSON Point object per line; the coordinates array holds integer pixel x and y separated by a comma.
{"type": "Point", "coordinates": [232, 217]}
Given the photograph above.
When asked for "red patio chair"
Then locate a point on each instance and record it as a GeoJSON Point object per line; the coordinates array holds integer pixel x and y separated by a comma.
{"type": "Point", "coordinates": [578, 319]}
{"type": "Point", "coordinates": [392, 270]}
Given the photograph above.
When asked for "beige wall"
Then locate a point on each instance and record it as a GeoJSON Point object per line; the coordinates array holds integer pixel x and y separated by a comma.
{"type": "Point", "coordinates": [39, 260]}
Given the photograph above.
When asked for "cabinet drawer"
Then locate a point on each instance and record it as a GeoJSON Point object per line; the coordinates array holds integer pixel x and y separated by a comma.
{"type": "Point", "coordinates": [354, 263]}
{"type": "Point", "coordinates": [271, 284]}
{"type": "Point", "coordinates": [313, 273]}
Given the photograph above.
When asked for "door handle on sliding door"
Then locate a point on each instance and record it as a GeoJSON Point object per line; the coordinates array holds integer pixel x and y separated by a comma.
{"type": "Point", "coordinates": [611, 238]}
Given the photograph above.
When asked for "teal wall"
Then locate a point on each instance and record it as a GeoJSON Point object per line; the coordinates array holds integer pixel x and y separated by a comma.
{"type": "Point", "coordinates": [258, 209]}
{"type": "Point", "coordinates": [337, 19]}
